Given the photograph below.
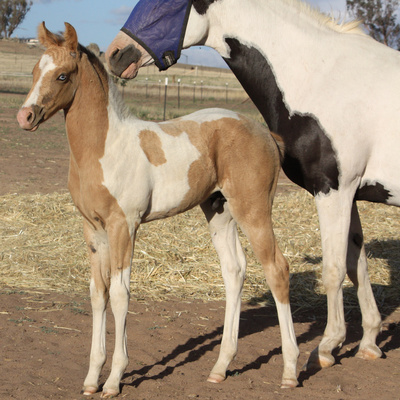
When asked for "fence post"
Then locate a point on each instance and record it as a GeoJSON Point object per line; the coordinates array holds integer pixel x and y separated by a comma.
{"type": "Point", "coordinates": [165, 96]}
{"type": "Point", "coordinates": [179, 93]}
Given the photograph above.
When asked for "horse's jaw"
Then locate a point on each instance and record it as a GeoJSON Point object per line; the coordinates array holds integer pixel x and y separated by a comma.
{"type": "Point", "coordinates": [130, 72]}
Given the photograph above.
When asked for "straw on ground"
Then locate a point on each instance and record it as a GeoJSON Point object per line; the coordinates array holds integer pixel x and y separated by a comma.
{"type": "Point", "coordinates": [42, 246]}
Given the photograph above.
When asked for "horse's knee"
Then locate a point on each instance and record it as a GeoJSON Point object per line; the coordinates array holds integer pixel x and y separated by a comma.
{"type": "Point", "coordinates": [333, 275]}
{"type": "Point", "coordinates": [119, 289]}
{"type": "Point", "coordinates": [99, 294]}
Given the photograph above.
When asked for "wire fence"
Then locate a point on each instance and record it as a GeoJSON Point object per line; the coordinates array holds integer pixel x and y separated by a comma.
{"type": "Point", "coordinates": [183, 92]}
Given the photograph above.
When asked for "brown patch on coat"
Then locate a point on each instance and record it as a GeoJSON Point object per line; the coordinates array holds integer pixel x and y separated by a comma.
{"type": "Point", "coordinates": [151, 145]}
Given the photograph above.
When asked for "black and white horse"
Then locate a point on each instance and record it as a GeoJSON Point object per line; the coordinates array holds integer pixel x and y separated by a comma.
{"type": "Point", "coordinates": [332, 94]}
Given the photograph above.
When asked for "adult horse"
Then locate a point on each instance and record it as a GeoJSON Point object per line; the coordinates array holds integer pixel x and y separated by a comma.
{"type": "Point", "coordinates": [329, 91]}
{"type": "Point", "coordinates": [124, 172]}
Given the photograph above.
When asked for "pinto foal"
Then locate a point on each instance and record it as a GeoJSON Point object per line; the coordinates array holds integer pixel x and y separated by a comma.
{"type": "Point", "coordinates": [124, 172]}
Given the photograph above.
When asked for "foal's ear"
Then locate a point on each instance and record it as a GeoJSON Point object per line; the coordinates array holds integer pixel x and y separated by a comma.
{"type": "Point", "coordinates": [71, 38]}
{"type": "Point", "coordinates": [47, 38]}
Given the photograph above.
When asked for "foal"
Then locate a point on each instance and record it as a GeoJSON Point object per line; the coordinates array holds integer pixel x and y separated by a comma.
{"type": "Point", "coordinates": [124, 172]}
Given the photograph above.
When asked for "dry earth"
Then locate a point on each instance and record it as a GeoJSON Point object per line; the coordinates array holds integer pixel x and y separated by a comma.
{"type": "Point", "coordinates": [45, 336]}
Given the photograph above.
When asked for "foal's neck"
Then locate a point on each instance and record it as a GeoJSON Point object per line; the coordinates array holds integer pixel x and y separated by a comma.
{"type": "Point", "coordinates": [87, 118]}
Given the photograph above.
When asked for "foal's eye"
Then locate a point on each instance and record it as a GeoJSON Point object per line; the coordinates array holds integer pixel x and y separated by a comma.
{"type": "Point", "coordinates": [62, 78]}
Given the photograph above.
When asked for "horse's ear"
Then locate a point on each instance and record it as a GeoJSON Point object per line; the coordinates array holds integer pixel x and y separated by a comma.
{"type": "Point", "coordinates": [71, 38]}
{"type": "Point", "coordinates": [47, 38]}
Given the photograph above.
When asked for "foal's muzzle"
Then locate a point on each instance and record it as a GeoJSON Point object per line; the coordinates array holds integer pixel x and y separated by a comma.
{"type": "Point", "coordinates": [30, 117]}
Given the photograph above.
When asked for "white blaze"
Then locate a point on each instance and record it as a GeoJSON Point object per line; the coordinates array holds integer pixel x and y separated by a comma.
{"type": "Point", "coordinates": [46, 65]}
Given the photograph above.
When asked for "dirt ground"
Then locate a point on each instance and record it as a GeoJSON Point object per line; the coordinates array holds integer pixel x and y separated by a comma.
{"type": "Point", "coordinates": [45, 337]}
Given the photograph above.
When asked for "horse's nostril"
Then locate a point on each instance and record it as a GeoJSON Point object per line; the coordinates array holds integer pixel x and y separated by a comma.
{"type": "Point", "coordinates": [30, 117]}
{"type": "Point", "coordinates": [114, 53]}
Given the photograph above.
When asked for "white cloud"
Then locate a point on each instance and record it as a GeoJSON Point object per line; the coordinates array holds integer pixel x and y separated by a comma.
{"type": "Point", "coordinates": [119, 15]}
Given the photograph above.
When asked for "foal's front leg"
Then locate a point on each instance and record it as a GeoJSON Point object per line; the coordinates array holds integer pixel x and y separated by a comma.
{"type": "Point", "coordinates": [121, 249]}
{"type": "Point", "coordinates": [100, 266]}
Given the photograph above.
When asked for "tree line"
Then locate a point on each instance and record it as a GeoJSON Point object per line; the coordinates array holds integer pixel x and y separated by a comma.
{"type": "Point", "coordinates": [12, 13]}
{"type": "Point", "coordinates": [379, 18]}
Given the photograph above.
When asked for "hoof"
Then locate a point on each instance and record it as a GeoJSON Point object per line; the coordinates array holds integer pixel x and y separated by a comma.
{"type": "Point", "coordinates": [318, 361]}
{"type": "Point", "coordinates": [369, 353]}
{"type": "Point", "coordinates": [90, 390]}
{"type": "Point", "coordinates": [109, 394]}
{"type": "Point", "coordinates": [289, 383]}
{"type": "Point", "coordinates": [215, 378]}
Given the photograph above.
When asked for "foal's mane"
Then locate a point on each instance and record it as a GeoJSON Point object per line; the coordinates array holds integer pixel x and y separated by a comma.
{"type": "Point", "coordinates": [115, 96]}
{"type": "Point", "coordinates": [330, 21]}
{"type": "Point", "coordinates": [93, 59]}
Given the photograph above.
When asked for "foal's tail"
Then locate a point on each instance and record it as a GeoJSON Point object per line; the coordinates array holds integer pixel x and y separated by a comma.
{"type": "Point", "coordinates": [280, 144]}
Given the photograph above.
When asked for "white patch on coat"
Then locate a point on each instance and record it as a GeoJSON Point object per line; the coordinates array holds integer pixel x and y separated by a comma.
{"type": "Point", "coordinates": [46, 65]}
{"type": "Point", "coordinates": [198, 28]}
{"type": "Point", "coordinates": [137, 185]}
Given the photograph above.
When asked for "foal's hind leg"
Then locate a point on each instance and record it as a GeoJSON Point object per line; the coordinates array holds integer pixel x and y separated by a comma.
{"type": "Point", "coordinates": [257, 225]}
{"type": "Point", "coordinates": [233, 264]}
{"type": "Point", "coordinates": [358, 273]}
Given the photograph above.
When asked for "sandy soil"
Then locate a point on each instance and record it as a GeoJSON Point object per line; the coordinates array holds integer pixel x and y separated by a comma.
{"type": "Point", "coordinates": [45, 337]}
{"type": "Point", "coordinates": [45, 342]}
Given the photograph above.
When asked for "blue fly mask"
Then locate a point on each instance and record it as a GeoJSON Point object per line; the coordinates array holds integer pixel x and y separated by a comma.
{"type": "Point", "coordinates": [159, 26]}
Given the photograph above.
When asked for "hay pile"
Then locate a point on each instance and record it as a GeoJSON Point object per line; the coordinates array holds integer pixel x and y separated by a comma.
{"type": "Point", "coordinates": [42, 246]}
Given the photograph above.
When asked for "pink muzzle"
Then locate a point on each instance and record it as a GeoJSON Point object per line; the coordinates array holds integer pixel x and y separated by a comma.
{"type": "Point", "coordinates": [30, 117]}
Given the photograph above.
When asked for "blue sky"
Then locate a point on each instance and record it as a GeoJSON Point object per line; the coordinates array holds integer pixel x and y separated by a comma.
{"type": "Point", "coordinates": [98, 21]}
